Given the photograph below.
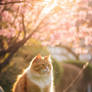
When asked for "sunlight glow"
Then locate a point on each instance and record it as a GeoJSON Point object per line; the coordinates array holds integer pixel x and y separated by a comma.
{"type": "Point", "coordinates": [51, 4]}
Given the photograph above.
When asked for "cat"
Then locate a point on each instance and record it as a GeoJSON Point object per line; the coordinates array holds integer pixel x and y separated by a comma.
{"type": "Point", "coordinates": [37, 77]}
{"type": "Point", "coordinates": [1, 89]}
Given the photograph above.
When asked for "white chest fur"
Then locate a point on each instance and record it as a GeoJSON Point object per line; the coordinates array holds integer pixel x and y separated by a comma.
{"type": "Point", "coordinates": [41, 81]}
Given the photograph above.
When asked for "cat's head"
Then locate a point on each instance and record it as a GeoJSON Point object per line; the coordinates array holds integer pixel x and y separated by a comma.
{"type": "Point", "coordinates": [41, 65]}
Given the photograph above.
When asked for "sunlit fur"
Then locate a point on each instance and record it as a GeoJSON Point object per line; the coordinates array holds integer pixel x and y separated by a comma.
{"type": "Point", "coordinates": [38, 77]}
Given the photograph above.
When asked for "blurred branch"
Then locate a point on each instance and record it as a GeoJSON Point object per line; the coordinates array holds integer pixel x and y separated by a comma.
{"type": "Point", "coordinates": [14, 2]}
{"type": "Point", "coordinates": [23, 24]}
{"type": "Point", "coordinates": [17, 12]}
{"type": "Point", "coordinates": [15, 47]}
{"type": "Point", "coordinates": [70, 51]}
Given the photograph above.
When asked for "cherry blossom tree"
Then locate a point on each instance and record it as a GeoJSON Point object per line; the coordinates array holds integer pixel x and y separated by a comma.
{"type": "Point", "coordinates": [53, 22]}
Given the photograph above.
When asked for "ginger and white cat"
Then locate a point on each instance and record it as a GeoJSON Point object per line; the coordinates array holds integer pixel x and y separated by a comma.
{"type": "Point", "coordinates": [38, 77]}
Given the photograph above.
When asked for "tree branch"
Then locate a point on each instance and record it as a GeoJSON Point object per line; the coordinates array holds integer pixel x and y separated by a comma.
{"type": "Point", "coordinates": [15, 2]}
{"type": "Point", "coordinates": [70, 50]}
{"type": "Point", "coordinates": [18, 45]}
{"type": "Point", "coordinates": [24, 29]}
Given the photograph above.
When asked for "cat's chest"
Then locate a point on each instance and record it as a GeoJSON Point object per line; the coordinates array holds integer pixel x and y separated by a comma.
{"type": "Point", "coordinates": [41, 82]}
{"type": "Point", "coordinates": [32, 87]}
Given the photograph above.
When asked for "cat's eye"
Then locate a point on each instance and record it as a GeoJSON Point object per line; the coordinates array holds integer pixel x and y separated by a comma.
{"type": "Point", "coordinates": [37, 68]}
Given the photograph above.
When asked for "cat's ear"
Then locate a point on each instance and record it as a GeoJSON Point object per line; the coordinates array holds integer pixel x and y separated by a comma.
{"type": "Point", "coordinates": [36, 59]}
{"type": "Point", "coordinates": [38, 56]}
{"type": "Point", "coordinates": [48, 58]}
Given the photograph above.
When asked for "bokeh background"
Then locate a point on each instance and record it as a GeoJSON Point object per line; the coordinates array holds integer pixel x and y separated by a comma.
{"type": "Point", "coordinates": [62, 28]}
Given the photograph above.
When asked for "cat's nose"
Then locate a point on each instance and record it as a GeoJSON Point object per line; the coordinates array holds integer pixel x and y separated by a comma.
{"type": "Point", "coordinates": [44, 70]}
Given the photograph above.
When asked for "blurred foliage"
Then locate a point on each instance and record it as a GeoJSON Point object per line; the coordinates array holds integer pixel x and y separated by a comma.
{"type": "Point", "coordinates": [58, 70]}
{"type": "Point", "coordinates": [19, 62]}
{"type": "Point", "coordinates": [32, 48]}
{"type": "Point", "coordinates": [3, 42]}
{"type": "Point", "coordinates": [3, 47]}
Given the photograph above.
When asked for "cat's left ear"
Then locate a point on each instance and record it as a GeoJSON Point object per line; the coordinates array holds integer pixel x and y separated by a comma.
{"type": "Point", "coordinates": [38, 56]}
{"type": "Point", "coordinates": [48, 58]}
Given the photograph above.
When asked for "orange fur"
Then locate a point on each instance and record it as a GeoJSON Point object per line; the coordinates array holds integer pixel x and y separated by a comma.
{"type": "Point", "coordinates": [36, 78]}
{"type": "Point", "coordinates": [20, 84]}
